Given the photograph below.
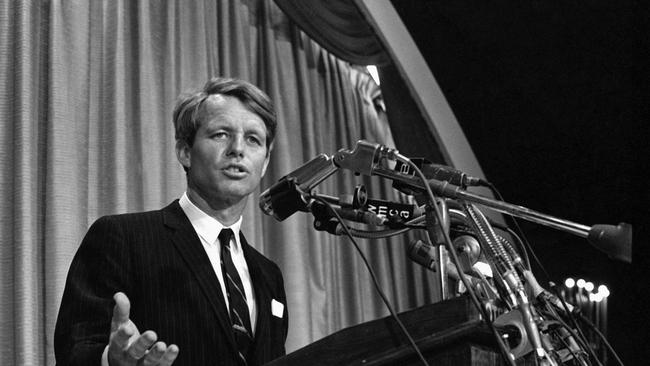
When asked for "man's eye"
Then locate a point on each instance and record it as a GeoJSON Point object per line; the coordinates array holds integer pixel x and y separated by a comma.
{"type": "Point", "coordinates": [254, 140]}
{"type": "Point", "coordinates": [220, 135]}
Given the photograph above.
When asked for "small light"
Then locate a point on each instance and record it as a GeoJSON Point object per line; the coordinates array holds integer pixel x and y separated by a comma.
{"type": "Point", "coordinates": [602, 289]}
{"type": "Point", "coordinates": [589, 286]}
{"type": "Point", "coordinates": [597, 297]}
{"type": "Point", "coordinates": [580, 283]}
{"type": "Point", "coordinates": [569, 282]}
{"type": "Point", "coordinates": [372, 69]}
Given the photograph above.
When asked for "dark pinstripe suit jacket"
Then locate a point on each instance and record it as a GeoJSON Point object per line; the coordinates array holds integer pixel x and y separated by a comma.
{"type": "Point", "coordinates": [157, 260]}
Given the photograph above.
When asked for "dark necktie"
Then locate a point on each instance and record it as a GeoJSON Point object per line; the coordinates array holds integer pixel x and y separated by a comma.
{"type": "Point", "coordinates": [241, 323]}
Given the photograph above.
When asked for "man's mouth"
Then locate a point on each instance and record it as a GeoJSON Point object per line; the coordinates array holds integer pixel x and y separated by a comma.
{"type": "Point", "coordinates": [235, 169]}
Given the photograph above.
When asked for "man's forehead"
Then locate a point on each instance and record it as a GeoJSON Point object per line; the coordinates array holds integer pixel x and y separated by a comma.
{"type": "Point", "coordinates": [219, 105]}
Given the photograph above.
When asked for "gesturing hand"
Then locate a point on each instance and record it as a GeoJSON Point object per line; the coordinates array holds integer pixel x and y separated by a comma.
{"type": "Point", "coordinates": [127, 347]}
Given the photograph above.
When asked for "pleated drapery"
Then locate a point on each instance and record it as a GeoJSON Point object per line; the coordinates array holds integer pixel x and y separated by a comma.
{"type": "Point", "coordinates": [340, 27]}
{"type": "Point", "coordinates": [86, 93]}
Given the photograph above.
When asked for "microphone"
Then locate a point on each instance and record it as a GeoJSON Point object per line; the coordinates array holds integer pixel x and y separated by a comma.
{"type": "Point", "coordinates": [285, 197]}
{"type": "Point", "coordinates": [615, 241]}
{"type": "Point", "coordinates": [449, 174]}
{"type": "Point", "coordinates": [365, 157]}
{"type": "Point", "coordinates": [324, 212]}
{"type": "Point", "coordinates": [358, 207]}
{"type": "Point", "coordinates": [395, 212]}
{"type": "Point", "coordinates": [423, 254]}
{"type": "Point", "coordinates": [439, 172]}
{"type": "Point", "coordinates": [544, 296]}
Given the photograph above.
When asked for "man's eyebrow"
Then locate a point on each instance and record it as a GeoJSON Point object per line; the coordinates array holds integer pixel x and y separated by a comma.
{"type": "Point", "coordinates": [218, 125]}
{"type": "Point", "coordinates": [255, 130]}
{"type": "Point", "coordinates": [250, 130]}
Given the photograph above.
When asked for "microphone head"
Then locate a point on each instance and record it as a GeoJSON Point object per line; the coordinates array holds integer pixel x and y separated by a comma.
{"type": "Point", "coordinates": [615, 241]}
{"type": "Point", "coordinates": [438, 172]}
{"type": "Point", "coordinates": [282, 200]}
{"type": "Point", "coordinates": [422, 253]}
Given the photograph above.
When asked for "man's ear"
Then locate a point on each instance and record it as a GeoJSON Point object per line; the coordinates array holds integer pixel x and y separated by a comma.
{"type": "Point", "coordinates": [183, 153]}
{"type": "Point", "coordinates": [266, 164]}
{"type": "Point", "coordinates": [268, 158]}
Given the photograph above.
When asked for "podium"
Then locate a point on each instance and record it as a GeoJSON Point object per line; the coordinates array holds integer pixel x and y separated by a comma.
{"type": "Point", "coordinates": [448, 333]}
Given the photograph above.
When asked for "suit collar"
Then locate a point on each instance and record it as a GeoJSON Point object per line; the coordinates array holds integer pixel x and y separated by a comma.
{"type": "Point", "coordinates": [206, 226]}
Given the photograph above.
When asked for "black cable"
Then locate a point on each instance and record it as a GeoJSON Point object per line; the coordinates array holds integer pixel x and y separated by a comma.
{"type": "Point", "coordinates": [601, 336]}
{"type": "Point", "coordinates": [439, 216]}
{"type": "Point", "coordinates": [376, 282]}
{"type": "Point", "coordinates": [566, 345]}
{"type": "Point", "coordinates": [582, 337]}
{"type": "Point", "coordinates": [552, 314]}
{"type": "Point", "coordinates": [376, 234]}
{"type": "Point", "coordinates": [569, 314]}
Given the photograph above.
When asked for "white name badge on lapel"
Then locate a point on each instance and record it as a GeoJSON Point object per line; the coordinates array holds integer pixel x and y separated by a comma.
{"type": "Point", "coordinates": [277, 308]}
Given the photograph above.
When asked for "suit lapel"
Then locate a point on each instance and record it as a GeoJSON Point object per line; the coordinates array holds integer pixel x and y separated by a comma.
{"type": "Point", "coordinates": [191, 250]}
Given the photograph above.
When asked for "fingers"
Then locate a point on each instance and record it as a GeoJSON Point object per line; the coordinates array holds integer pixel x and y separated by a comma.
{"type": "Point", "coordinates": [139, 347]}
{"type": "Point", "coordinates": [121, 309]}
{"type": "Point", "coordinates": [170, 355]}
{"type": "Point", "coordinates": [127, 347]}
{"type": "Point", "coordinates": [126, 344]}
{"type": "Point", "coordinates": [119, 340]}
{"type": "Point", "coordinates": [161, 355]}
{"type": "Point", "coordinates": [155, 353]}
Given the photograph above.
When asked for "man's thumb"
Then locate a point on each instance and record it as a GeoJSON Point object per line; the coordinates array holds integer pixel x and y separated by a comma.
{"type": "Point", "coordinates": [121, 309]}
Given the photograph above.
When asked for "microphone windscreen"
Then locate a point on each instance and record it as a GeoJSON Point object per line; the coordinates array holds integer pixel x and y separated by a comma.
{"type": "Point", "coordinates": [422, 253]}
{"type": "Point", "coordinates": [615, 241]}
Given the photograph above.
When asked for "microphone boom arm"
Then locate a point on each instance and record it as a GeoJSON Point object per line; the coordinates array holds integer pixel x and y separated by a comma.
{"type": "Point", "coordinates": [615, 241]}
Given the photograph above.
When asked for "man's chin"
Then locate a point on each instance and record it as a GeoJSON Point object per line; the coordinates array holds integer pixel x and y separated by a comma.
{"type": "Point", "coordinates": [230, 193]}
{"type": "Point", "coordinates": [234, 193]}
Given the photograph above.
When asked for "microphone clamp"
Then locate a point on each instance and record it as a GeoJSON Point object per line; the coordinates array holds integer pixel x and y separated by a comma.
{"type": "Point", "coordinates": [365, 157]}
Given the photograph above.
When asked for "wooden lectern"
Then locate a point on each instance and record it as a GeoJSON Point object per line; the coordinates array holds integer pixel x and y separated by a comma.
{"type": "Point", "coordinates": [448, 333]}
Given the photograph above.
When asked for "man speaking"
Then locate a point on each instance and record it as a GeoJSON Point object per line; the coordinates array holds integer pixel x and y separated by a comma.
{"type": "Point", "coordinates": [181, 285]}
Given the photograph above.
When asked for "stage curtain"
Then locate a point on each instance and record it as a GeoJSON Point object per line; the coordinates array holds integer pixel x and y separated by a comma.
{"type": "Point", "coordinates": [338, 26]}
{"type": "Point", "coordinates": [86, 93]}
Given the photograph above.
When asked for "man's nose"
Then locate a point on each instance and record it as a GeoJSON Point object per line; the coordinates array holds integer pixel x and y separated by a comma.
{"type": "Point", "coordinates": [236, 146]}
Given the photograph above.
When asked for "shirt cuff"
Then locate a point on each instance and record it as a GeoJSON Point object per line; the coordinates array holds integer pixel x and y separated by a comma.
{"type": "Point", "coordinates": [105, 357]}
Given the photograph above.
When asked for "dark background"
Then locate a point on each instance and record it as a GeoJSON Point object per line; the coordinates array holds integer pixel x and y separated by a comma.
{"type": "Point", "coordinates": [552, 97]}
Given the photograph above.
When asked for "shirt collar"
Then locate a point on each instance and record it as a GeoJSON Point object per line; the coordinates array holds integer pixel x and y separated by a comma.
{"type": "Point", "coordinates": [206, 226]}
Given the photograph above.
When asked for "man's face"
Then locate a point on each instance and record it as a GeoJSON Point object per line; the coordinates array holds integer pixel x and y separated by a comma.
{"type": "Point", "coordinates": [229, 155]}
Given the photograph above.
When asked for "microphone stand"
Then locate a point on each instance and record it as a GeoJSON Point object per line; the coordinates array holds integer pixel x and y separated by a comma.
{"type": "Point", "coordinates": [438, 239]}
{"type": "Point", "coordinates": [615, 241]}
